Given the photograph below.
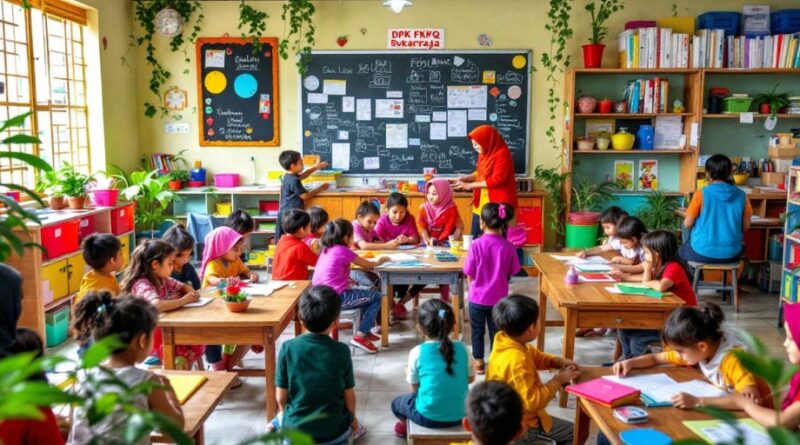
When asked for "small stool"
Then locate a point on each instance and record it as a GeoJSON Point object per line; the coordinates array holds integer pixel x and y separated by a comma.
{"type": "Point", "coordinates": [348, 314]}
{"type": "Point", "coordinates": [419, 435]}
{"type": "Point", "coordinates": [725, 269]}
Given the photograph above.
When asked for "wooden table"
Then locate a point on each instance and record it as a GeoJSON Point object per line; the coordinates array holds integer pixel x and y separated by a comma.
{"type": "Point", "coordinates": [213, 324]}
{"type": "Point", "coordinates": [590, 305]}
{"type": "Point", "coordinates": [437, 273]}
{"type": "Point", "coordinates": [668, 420]}
{"type": "Point", "coordinates": [201, 403]}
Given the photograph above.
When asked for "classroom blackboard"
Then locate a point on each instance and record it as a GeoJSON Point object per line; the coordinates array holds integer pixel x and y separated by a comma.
{"type": "Point", "coordinates": [237, 91]}
{"type": "Point", "coordinates": [394, 113]}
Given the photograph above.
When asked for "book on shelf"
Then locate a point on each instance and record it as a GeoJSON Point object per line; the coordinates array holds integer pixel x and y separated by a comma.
{"type": "Point", "coordinates": [712, 50]}
{"type": "Point", "coordinates": [647, 95]}
{"type": "Point", "coordinates": [165, 163]}
{"type": "Point", "coordinates": [653, 48]}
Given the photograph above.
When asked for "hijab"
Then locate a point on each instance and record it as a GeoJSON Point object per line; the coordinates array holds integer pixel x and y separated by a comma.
{"type": "Point", "coordinates": [434, 211]}
{"type": "Point", "coordinates": [791, 316]}
{"type": "Point", "coordinates": [10, 307]}
{"type": "Point", "coordinates": [493, 146]}
{"type": "Point", "coordinates": [218, 242]}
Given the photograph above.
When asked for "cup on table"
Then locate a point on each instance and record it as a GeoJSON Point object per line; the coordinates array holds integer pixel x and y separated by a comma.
{"type": "Point", "coordinates": [455, 245]}
{"type": "Point", "coordinates": [467, 240]}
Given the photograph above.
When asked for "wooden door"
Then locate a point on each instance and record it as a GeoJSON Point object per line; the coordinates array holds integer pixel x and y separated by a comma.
{"type": "Point", "coordinates": [332, 204]}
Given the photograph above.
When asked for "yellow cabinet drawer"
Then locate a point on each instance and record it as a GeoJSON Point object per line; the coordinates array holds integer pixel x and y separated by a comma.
{"type": "Point", "coordinates": [126, 242]}
{"type": "Point", "coordinates": [55, 281]}
{"type": "Point", "coordinates": [77, 268]}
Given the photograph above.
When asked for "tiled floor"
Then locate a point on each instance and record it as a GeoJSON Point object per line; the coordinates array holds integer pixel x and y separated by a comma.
{"type": "Point", "coordinates": [380, 378]}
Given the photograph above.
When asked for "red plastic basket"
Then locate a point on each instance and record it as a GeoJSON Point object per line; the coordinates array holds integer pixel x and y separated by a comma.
{"type": "Point", "coordinates": [61, 239]}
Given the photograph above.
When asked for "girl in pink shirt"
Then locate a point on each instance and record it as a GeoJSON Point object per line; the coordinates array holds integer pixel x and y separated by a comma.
{"type": "Point", "coordinates": [333, 270]}
{"type": "Point", "coordinates": [364, 234]}
{"type": "Point", "coordinates": [319, 218]}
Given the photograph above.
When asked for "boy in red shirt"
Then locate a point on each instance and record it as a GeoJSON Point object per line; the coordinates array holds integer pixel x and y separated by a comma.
{"type": "Point", "coordinates": [293, 257]}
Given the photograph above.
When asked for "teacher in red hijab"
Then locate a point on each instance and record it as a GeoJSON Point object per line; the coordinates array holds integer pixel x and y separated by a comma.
{"type": "Point", "coordinates": [493, 180]}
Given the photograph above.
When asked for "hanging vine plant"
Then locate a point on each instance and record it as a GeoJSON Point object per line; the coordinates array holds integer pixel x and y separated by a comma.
{"type": "Point", "coordinates": [253, 24]}
{"type": "Point", "coordinates": [301, 32]}
{"type": "Point", "coordinates": [145, 13]}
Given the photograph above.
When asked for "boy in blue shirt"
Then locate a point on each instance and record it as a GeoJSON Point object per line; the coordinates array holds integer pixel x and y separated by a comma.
{"type": "Point", "coordinates": [293, 194]}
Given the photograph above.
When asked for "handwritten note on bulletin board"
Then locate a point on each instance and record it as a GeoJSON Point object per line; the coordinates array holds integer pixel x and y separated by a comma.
{"type": "Point", "coordinates": [237, 92]}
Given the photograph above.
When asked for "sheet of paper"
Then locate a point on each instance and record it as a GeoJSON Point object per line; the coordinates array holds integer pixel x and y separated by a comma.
{"type": "Point", "coordinates": [422, 118]}
{"type": "Point", "coordinates": [438, 131]}
{"type": "Point", "coordinates": [199, 303]}
{"type": "Point", "coordinates": [414, 142]}
{"type": "Point", "coordinates": [591, 267]}
{"type": "Point", "coordinates": [456, 123]}
{"type": "Point", "coordinates": [440, 116]}
{"type": "Point", "coordinates": [389, 108]}
{"type": "Point", "coordinates": [467, 96]}
{"type": "Point", "coordinates": [343, 135]}
{"type": "Point", "coordinates": [745, 118]}
{"type": "Point", "coordinates": [266, 289]}
{"type": "Point", "coordinates": [334, 87]}
{"type": "Point", "coordinates": [596, 278]}
{"type": "Point", "coordinates": [694, 135]}
{"type": "Point", "coordinates": [717, 431]}
{"type": "Point", "coordinates": [699, 388]}
{"type": "Point", "coordinates": [317, 98]}
{"type": "Point", "coordinates": [215, 58]}
{"type": "Point", "coordinates": [340, 156]}
{"type": "Point", "coordinates": [396, 135]}
{"type": "Point", "coordinates": [476, 114]}
{"type": "Point", "coordinates": [363, 109]}
{"type": "Point", "coordinates": [651, 384]}
{"type": "Point", "coordinates": [348, 104]}
{"type": "Point", "coordinates": [589, 260]}
{"type": "Point", "coordinates": [613, 290]}
{"type": "Point", "coordinates": [565, 258]}
{"type": "Point", "coordinates": [400, 257]}
{"type": "Point", "coordinates": [668, 132]}
{"type": "Point", "coordinates": [394, 94]}
{"type": "Point", "coordinates": [372, 163]}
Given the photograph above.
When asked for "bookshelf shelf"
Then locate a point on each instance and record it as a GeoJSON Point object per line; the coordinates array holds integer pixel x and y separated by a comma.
{"type": "Point", "coordinates": [611, 152]}
{"type": "Point", "coordinates": [627, 115]}
{"type": "Point", "coordinates": [756, 115]}
{"type": "Point", "coordinates": [636, 71]}
{"type": "Point", "coordinates": [751, 70]}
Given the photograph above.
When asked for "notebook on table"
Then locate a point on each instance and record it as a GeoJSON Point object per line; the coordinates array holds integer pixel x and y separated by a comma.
{"type": "Point", "coordinates": [644, 436]}
{"type": "Point", "coordinates": [605, 392]}
{"type": "Point", "coordinates": [185, 385]}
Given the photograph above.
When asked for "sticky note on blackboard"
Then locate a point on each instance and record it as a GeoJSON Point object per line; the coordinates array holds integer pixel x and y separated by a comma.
{"type": "Point", "coordinates": [317, 98]}
{"type": "Point", "coordinates": [215, 58]}
{"type": "Point", "coordinates": [440, 116]}
{"type": "Point", "coordinates": [372, 163]}
{"type": "Point", "coordinates": [343, 135]}
{"type": "Point", "coordinates": [334, 87]}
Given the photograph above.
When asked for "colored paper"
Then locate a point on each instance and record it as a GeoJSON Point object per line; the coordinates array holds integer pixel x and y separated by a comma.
{"type": "Point", "coordinates": [623, 175]}
{"type": "Point", "coordinates": [717, 431]}
{"type": "Point", "coordinates": [648, 174]}
{"type": "Point", "coordinates": [185, 385]}
{"type": "Point", "coordinates": [334, 87]}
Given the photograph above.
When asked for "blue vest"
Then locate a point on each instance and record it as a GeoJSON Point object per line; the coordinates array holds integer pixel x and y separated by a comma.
{"type": "Point", "coordinates": [717, 233]}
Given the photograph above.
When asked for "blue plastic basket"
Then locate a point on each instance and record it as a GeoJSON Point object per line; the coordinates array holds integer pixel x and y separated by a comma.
{"type": "Point", "coordinates": [727, 20]}
{"type": "Point", "coordinates": [785, 21]}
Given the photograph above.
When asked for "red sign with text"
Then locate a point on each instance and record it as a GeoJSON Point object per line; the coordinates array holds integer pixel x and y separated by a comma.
{"type": "Point", "coordinates": [416, 38]}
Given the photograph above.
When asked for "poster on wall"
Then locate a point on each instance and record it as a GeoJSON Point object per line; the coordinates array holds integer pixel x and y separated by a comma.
{"type": "Point", "coordinates": [648, 174]}
{"type": "Point", "coordinates": [237, 92]}
{"type": "Point", "coordinates": [623, 175]}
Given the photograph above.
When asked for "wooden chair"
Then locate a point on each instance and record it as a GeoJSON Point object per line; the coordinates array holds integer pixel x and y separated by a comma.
{"type": "Point", "coordinates": [419, 435]}
{"type": "Point", "coordinates": [724, 269]}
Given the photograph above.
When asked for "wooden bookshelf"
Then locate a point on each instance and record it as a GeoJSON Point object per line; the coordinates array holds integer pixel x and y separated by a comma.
{"type": "Point", "coordinates": [751, 70]}
{"type": "Point", "coordinates": [636, 70]}
{"type": "Point", "coordinates": [755, 115]}
{"type": "Point", "coordinates": [611, 152]}
{"type": "Point", "coordinates": [626, 115]}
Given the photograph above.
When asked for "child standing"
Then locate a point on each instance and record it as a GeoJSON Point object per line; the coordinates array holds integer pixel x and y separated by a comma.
{"type": "Point", "coordinates": [494, 414]}
{"type": "Point", "coordinates": [630, 231]}
{"type": "Point", "coordinates": [695, 338]}
{"type": "Point", "coordinates": [364, 234]}
{"type": "Point", "coordinates": [150, 277]}
{"type": "Point", "coordinates": [132, 321]}
{"type": "Point", "coordinates": [222, 257]}
{"type": "Point", "coordinates": [318, 217]}
{"type": "Point", "coordinates": [790, 408]}
{"type": "Point", "coordinates": [293, 257]}
{"type": "Point", "coordinates": [315, 375]}
{"type": "Point", "coordinates": [182, 270]}
{"type": "Point", "coordinates": [438, 216]}
{"type": "Point", "coordinates": [609, 220]}
{"type": "Point", "coordinates": [333, 269]}
{"type": "Point", "coordinates": [663, 272]}
{"type": "Point", "coordinates": [515, 361]}
{"type": "Point", "coordinates": [490, 263]}
{"type": "Point", "coordinates": [439, 372]}
{"type": "Point", "coordinates": [103, 253]}
{"type": "Point", "coordinates": [293, 194]}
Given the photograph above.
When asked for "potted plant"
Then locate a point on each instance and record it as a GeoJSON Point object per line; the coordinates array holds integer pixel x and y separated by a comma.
{"type": "Point", "coordinates": [235, 300]}
{"type": "Point", "coordinates": [104, 191]}
{"type": "Point", "coordinates": [48, 183]}
{"type": "Point", "coordinates": [73, 185]}
{"type": "Point", "coordinates": [582, 221]}
{"type": "Point", "coordinates": [177, 179]}
{"type": "Point", "coordinates": [606, 105]}
{"type": "Point", "coordinates": [151, 195]}
{"type": "Point", "coordinates": [772, 102]}
{"type": "Point", "coordinates": [659, 211]}
{"type": "Point", "coordinates": [600, 11]}
{"type": "Point", "coordinates": [552, 179]}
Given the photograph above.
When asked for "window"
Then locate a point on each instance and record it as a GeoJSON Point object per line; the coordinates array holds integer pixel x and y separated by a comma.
{"type": "Point", "coordinates": [42, 69]}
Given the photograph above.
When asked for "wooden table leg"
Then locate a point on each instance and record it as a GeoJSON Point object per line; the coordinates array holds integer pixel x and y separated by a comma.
{"type": "Point", "coordinates": [199, 436]}
{"type": "Point", "coordinates": [542, 315]}
{"type": "Point", "coordinates": [581, 425]}
{"type": "Point", "coordinates": [457, 302]}
{"type": "Point", "coordinates": [385, 310]}
{"type": "Point", "coordinates": [269, 372]}
{"type": "Point", "coordinates": [168, 348]}
{"type": "Point", "coordinates": [570, 325]}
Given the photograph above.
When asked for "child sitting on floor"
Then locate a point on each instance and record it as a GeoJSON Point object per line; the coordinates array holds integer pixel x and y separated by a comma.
{"type": "Point", "coordinates": [515, 361]}
{"type": "Point", "coordinates": [103, 253]}
{"type": "Point", "coordinates": [318, 218]}
{"type": "Point", "coordinates": [293, 257]}
{"type": "Point", "coordinates": [439, 372]}
{"type": "Point", "coordinates": [132, 320]}
{"type": "Point", "coordinates": [494, 414]}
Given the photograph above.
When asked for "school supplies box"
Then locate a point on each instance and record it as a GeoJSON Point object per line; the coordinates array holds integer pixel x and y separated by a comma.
{"type": "Point", "coordinates": [605, 392]}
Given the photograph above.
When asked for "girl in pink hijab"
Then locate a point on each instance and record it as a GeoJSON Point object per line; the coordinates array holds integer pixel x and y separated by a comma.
{"type": "Point", "coordinates": [222, 253]}
{"type": "Point", "coordinates": [438, 217]}
{"type": "Point", "coordinates": [790, 409]}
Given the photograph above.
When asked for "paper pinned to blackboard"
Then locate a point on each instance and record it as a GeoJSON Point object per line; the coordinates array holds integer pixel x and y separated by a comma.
{"type": "Point", "coordinates": [440, 116]}
{"type": "Point", "coordinates": [348, 104]}
{"type": "Point", "coordinates": [363, 110]}
{"type": "Point", "coordinates": [456, 123]}
{"type": "Point", "coordinates": [317, 98]}
{"type": "Point", "coordinates": [340, 159]}
{"type": "Point", "coordinates": [438, 131]}
{"type": "Point", "coordinates": [396, 135]}
{"type": "Point", "coordinates": [372, 163]}
{"type": "Point", "coordinates": [476, 114]}
{"type": "Point", "coordinates": [334, 87]}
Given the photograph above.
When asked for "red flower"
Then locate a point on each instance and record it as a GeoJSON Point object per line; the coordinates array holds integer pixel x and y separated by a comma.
{"type": "Point", "coordinates": [233, 290]}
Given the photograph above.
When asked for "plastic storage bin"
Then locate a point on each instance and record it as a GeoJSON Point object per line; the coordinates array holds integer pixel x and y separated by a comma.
{"type": "Point", "coordinates": [736, 104]}
{"type": "Point", "coordinates": [57, 325]}
{"type": "Point", "coordinates": [727, 20]}
{"type": "Point", "coordinates": [785, 21]}
{"type": "Point", "coordinates": [226, 179]}
{"type": "Point", "coordinates": [530, 218]}
{"type": "Point", "coordinates": [105, 198]}
{"type": "Point", "coordinates": [61, 239]}
{"type": "Point", "coordinates": [224, 209]}
{"type": "Point", "coordinates": [270, 208]}
{"type": "Point", "coordinates": [86, 227]}
{"type": "Point", "coordinates": [122, 220]}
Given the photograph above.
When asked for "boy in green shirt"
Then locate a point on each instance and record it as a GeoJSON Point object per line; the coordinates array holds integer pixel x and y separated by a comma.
{"type": "Point", "coordinates": [315, 375]}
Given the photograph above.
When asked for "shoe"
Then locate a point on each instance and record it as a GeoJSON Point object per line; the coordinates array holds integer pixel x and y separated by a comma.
{"type": "Point", "coordinates": [400, 429]}
{"type": "Point", "coordinates": [364, 344]}
{"type": "Point", "coordinates": [258, 349]}
{"type": "Point", "coordinates": [236, 383]}
{"type": "Point", "coordinates": [399, 312]}
{"type": "Point", "coordinates": [372, 337]}
{"type": "Point", "coordinates": [359, 433]}
{"type": "Point", "coordinates": [480, 367]}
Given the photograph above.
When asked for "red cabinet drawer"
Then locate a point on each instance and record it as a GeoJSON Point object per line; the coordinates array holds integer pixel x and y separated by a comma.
{"type": "Point", "coordinates": [60, 239]}
{"type": "Point", "coordinates": [530, 218]}
{"type": "Point", "coordinates": [122, 220]}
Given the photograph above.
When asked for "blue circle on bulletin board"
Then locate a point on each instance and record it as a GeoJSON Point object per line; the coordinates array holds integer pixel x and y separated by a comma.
{"type": "Point", "coordinates": [245, 85]}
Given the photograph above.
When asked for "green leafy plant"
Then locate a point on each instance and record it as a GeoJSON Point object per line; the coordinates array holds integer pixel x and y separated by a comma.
{"type": "Point", "coordinates": [151, 195]}
{"type": "Point", "coordinates": [601, 11]}
{"type": "Point", "coordinates": [253, 24]}
{"type": "Point", "coordinates": [72, 182]}
{"type": "Point", "coordinates": [553, 181]}
{"type": "Point", "coordinates": [775, 100]}
{"type": "Point", "coordinates": [145, 13]}
{"type": "Point", "coordinates": [554, 62]}
{"type": "Point", "coordinates": [16, 216]}
{"type": "Point", "coordinates": [659, 211]}
{"type": "Point", "coordinates": [588, 196]}
{"type": "Point", "coordinates": [48, 184]}
{"type": "Point", "coordinates": [179, 175]}
{"type": "Point", "coordinates": [301, 32]}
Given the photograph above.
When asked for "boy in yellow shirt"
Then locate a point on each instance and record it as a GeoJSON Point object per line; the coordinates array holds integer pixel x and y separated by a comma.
{"type": "Point", "coordinates": [516, 362]}
{"type": "Point", "coordinates": [103, 253]}
{"type": "Point", "coordinates": [494, 414]}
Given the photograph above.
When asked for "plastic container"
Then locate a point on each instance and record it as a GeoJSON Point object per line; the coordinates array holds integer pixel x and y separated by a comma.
{"type": "Point", "coordinates": [636, 24]}
{"type": "Point", "coordinates": [775, 248]}
{"type": "Point", "coordinates": [197, 174]}
{"type": "Point", "coordinates": [530, 218]}
{"type": "Point", "coordinates": [736, 104]}
{"type": "Point", "coordinates": [226, 179]}
{"type": "Point", "coordinates": [61, 239]}
{"type": "Point", "coordinates": [268, 207]}
{"type": "Point", "coordinates": [726, 20]}
{"type": "Point", "coordinates": [122, 220]}
{"type": "Point", "coordinates": [581, 237]}
{"type": "Point", "coordinates": [224, 208]}
{"type": "Point", "coordinates": [754, 245]}
{"type": "Point", "coordinates": [105, 198]}
{"type": "Point", "coordinates": [85, 228]}
{"type": "Point", "coordinates": [196, 183]}
{"type": "Point", "coordinates": [785, 21]}
{"type": "Point", "coordinates": [644, 136]}
{"type": "Point", "coordinates": [57, 325]}
{"type": "Point", "coordinates": [14, 194]}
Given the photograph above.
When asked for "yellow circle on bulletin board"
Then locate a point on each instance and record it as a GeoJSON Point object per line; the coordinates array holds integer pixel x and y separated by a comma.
{"type": "Point", "coordinates": [215, 82]}
{"type": "Point", "coordinates": [519, 62]}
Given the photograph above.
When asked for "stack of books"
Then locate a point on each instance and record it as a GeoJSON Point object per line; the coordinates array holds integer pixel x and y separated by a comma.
{"type": "Point", "coordinates": [163, 162]}
{"type": "Point", "coordinates": [647, 95]}
{"type": "Point", "coordinates": [708, 49]}
{"type": "Point", "coordinates": [653, 48]}
{"type": "Point", "coordinates": [778, 51]}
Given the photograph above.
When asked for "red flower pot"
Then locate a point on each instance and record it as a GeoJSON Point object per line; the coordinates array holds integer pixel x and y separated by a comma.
{"type": "Point", "coordinates": [606, 106]}
{"type": "Point", "coordinates": [175, 184]}
{"type": "Point", "coordinates": [764, 108]}
{"type": "Point", "coordinates": [593, 55]}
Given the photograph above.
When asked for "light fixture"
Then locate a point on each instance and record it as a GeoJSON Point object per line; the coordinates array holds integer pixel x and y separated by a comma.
{"type": "Point", "coordinates": [397, 5]}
